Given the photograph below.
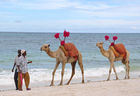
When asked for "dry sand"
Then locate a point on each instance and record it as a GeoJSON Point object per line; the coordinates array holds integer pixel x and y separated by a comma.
{"type": "Point", "coordinates": [127, 87]}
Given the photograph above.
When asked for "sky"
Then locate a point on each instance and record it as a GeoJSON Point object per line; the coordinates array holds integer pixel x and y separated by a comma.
{"type": "Point", "coordinates": [84, 16]}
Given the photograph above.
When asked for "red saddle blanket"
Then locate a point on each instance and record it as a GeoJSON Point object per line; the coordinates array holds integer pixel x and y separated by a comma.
{"type": "Point", "coordinates": [120, 48]}
{"type": "Point", "coordinates": [71, 50]}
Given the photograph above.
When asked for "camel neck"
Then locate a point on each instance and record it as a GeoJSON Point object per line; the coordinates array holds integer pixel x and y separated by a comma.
{"type": "Point", "coordinates": [51, 53]}
{"type": "Point", "coordinates": [104, 52]}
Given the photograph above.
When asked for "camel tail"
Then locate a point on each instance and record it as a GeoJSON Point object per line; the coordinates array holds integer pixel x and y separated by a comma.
{"type": "Point", "coordinates": [124, 61]}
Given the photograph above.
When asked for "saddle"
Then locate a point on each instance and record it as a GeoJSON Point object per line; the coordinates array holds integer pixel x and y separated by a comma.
{"type": "Point", "coordinates": [119, 50]}
{"type": "Point", "coordinates": [70, 50]}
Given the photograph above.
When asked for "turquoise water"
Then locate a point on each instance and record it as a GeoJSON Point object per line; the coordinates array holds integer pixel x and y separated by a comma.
{"type": "Point", "coordinates": [94, 63]}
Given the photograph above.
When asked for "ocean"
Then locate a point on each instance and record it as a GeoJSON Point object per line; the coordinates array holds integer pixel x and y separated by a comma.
{"type": "Point", "coordinates": [95, 65]}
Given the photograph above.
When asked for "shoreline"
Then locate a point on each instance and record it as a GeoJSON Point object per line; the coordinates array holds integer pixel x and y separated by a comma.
{"type": "Point", "coordinates": [127, 87]}
{"type": "Point", "coordinates": [46, 83]}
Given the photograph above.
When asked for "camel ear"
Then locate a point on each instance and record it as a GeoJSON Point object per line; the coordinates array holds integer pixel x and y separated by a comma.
{"type": "Point", "coordinates": [49, 45]}
{"type": "Point", "coordinates": [102, 42]}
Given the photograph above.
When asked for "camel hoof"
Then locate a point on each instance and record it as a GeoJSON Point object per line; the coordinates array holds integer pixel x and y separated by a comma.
{"type": "Point", "coordinates": [107, 80]}
{"type": "Point", "coordinates": [125, 77]}
{"type": "Point", "coordinates": [117, 78]}
{"type": "Point", "coordinates": [52, 85]}
{"type": "Point", "coordinates": [60, 84]}
{"type": "Point", "coordinates": [67, 83]}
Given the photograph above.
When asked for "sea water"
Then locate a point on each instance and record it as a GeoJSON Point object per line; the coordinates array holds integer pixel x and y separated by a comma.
{"type": "Point", "coordinates": [95, 65]}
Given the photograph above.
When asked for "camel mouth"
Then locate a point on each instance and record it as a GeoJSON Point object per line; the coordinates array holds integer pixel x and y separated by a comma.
{"type": "Point", "coordinates": [41, 49]}
{"type": "Point", "coordinates": [97, 45]}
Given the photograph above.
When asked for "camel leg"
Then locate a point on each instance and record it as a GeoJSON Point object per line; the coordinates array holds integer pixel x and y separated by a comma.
{"type": "Point", "coordinates": [62, 73]}
{"type": "Point", "coordinates": [127, 70]}
{"type": "Point", "coordinates": [111, 65]}
{"type": "Point", "coordinates": [81, 66]}
{"type": "Point", "coordinates": [73, 71]}
{"type": "Point", "coordinates": [53, 73]}
{"type": "Point", "coordinates": [115, 72]}
{"type": "Point", "coordinates": [82, 70]}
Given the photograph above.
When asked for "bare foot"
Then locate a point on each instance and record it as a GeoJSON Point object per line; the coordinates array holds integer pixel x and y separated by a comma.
{"type": "Point", "coordinates": [28, 89]}
{"type": "Point", "coordinates": [20, 89]}
{"type": "Point", "coordinates": [107, 80]}
{"type": "Point", "coordinates": [117, 78]}
{"type": "Point", "coordinates": [52, 85]}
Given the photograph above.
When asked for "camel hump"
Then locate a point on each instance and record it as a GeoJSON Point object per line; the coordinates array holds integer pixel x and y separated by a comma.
{"type": "Point", "coordinates": [71, 48]}
{"type": "Point", "coordinates": [120, 48]}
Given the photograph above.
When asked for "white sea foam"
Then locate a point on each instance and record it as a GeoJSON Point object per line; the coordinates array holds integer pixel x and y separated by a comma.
{"type": "Point", "coordinates": [37, 75]}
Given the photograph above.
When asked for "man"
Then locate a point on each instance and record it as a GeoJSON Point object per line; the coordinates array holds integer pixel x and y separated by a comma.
{"type": "Point", "coordinates": [16, 71]}
{"type": "Point", "coordinates": [23, 69]}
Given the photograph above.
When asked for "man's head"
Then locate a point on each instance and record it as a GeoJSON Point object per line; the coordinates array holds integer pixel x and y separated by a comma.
{"type": "Point", "coordinates": [23, 52]}
{"type": "Point", "coordinates": [19, 52]}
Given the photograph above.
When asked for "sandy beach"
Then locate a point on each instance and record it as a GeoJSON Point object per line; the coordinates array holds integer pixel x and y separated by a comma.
{"type": "Point", "coordinates": [127, 87]}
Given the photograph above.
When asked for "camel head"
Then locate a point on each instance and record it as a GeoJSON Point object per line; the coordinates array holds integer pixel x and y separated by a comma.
{"type": "Point", "coordinates": [45, 47]}
{"type": "Point", "coordinates": [99, 44]}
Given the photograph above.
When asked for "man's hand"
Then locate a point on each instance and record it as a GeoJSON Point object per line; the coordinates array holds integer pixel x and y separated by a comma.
{"type": "Point", "coordinates": [30, 62]}
{"type": "Point", "coordinates": [12, 70]}
{"type": "Point", "coordinates": [20, 71]}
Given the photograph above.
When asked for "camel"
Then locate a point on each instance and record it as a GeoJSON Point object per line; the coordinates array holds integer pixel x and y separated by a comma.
{"type": "Point", "coordinates": [111, 57]}
{"type": "Point", "coordinates": [61, 58]}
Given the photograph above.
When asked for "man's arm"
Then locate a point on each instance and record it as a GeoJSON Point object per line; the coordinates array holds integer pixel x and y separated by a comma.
{"type": "Point", "coordinates": [13, 67]}
{"type": "Point", "coordinates": [29, 62]}
{"type": "Point", "coordinates": [19, 64]}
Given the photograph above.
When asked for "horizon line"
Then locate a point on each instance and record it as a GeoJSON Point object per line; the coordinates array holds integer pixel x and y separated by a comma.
{"type": "Point", "coordinates": [60, 32]}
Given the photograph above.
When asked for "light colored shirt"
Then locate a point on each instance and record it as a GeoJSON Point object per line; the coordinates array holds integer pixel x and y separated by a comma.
{"type": "Point", "coordinates": [23, 64]}
{"type": "Point", "coordinates": [16, 62]}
